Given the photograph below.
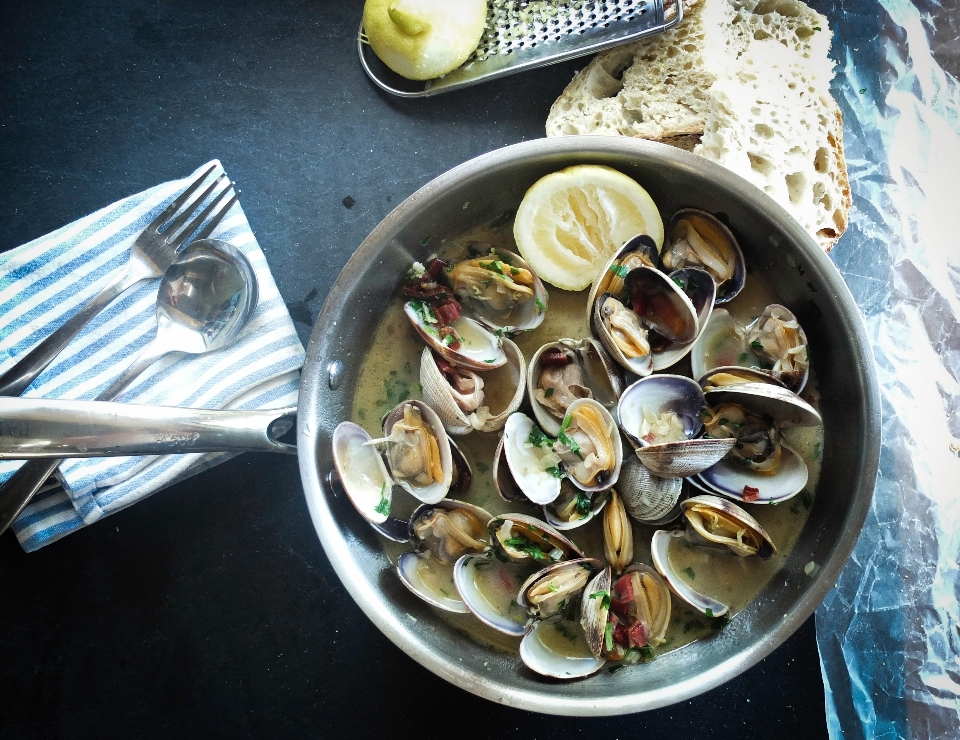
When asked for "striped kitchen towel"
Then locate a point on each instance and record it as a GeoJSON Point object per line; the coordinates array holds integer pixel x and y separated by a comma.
{"type": "Point", "coordinates": [41, 285]}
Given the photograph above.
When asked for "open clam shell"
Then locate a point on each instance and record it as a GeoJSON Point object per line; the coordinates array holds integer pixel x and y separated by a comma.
{"type": "Point", "coordinates": [489, 588]}
{"type": "Point", "coordinates": [731, 376]}
{"type": "Point", "coordinates": [732, 479]}
{"type": "Point", "coordinates": [403, 468]}
{"type": "Point", "coordinates": [551, 591]}
{"type": "Point", "coordinates": [489, 287]}
{"type": "Point", "coordinates": [701, 290]}
{"type": "Point", "coordinates": [576, 369]}
{"type": "Point", "coordinates": [444, 531]}
{"type": "Point", "coordinates": [695, 238]}
{"type": "Point", "coordinates": [722, 343]}
{"type": "Point", "coordinates": [527, 540]}
{"type": "Point", "coordinates": [622, 334]}
{"type": "Point", "coordinates": [655, 399]}
{"type": "Point", "coordinates": [478, 349]}
{"type": "Point", "coordinates": [640, 251]}
{"type": "Point", "coordinates": [716, 521]}
{"type": "Point", "coordinates": [502, 387]}
{"type": "Point", "coordinates": [530, 464]}
{"type": "Point", "coordinates": [659, 552]}
{"type": "Point", "coordinates": [364, 477]}
{"type": "Point", "coordinates": [573, 508]}
{"type": "Point", "coordinates": [557, 648]}
{"type": "Point", "coordinates": [646, 497]}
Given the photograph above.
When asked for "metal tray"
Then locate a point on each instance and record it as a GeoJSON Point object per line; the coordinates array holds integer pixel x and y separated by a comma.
{"type": "Point", "coordinates": [524, 34]}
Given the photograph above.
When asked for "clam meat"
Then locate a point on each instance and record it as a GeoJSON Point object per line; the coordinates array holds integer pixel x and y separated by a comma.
{"type": "Point", "coordinates": [757, 445]}
{"type": "Point", "coordinates": [714, 520]}
{"type": "Point", "coordinates": [413, 451]}
{"type": "Point", "coordinates": [624, 328]}
{"type": "Point", "coordinates": [777, 339]}
{"type": "Point", "coordinates": [450, 533]}
{"type": "Point", "coordinates": [561, 382]}
{"type": "Point", "coordinates": [496, 282]}
{"type": "Point", "coordinates": [587, 444]}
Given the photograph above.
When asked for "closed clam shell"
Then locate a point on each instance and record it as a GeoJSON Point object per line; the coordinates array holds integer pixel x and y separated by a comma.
{"type": "Point", "coordinates": [503, 392]}
{"type": "Point", "coordinates": [646, 497]}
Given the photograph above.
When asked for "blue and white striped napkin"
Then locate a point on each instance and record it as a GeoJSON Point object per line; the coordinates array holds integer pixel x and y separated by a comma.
{"type": "Point", "coordinates": [43, 283]}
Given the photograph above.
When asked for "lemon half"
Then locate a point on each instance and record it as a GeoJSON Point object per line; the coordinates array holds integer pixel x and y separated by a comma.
{"type": "Point", "coordinates": [571, 222]}
{"type": "Point", "coordinates": [423, 39]}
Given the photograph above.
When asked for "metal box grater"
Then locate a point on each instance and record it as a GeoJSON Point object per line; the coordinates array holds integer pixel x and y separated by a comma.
{"type": "Point", "coordinates": [523, 34]}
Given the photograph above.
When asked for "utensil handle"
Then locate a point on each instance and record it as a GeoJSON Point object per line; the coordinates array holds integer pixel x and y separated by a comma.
{"type": "Point", "coordinates": [33, 428]}
{"type": "Point", "coordinates": [18, 378]}
{"type": "Point", "coordinates": [21, 487]}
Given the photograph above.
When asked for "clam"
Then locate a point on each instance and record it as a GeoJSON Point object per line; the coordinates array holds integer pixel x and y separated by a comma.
{"type": "Point", "coordinates": [621, 617]}
{"type": "Point", "coordinates": [531, 461]}
{"type": "Point", "coordinates": [500, 290]}
{"type": "Point", "coordinates": [774, 344]}
{"type": "Point", "coordinates": [653, 315]}
{"type": "Point", "coordinates": [589, 446]}
{"type": "Point", "coordinates": [563, 371]}
{"type": "Point", "coordinates": [489, 584]}
{"type": "Point", "coordinates": [444, 532]}
{"type": "Point", "coordinates": [617, 534]}
{"type": "Point", "coordinates": [646, 497]}
{"type": "Point", "coordinates": [462, 341]}
{"type": "Point", "coordinates": [557, 587]}
{"type": "Point", "coordinates": [524, 539]}
{"type": "Point", "coordinates": [660, 414]}
{"type": "Point", "coordinates": [466, 400]}
{"type": "Point", "coordinates": [761, 467]}
{"type": "Point", "coordinates": [659, 552]}
{"type": "Point", "coordinates": [698, 239]}
{"type": "Point", "coordinates": [573, 508]}
{"type": "Point", "coordinates": [716, 521]}
{"type": "Point", "coordinates": [779, 342]}
{"type": "Point", "coordinates": [726, 377]}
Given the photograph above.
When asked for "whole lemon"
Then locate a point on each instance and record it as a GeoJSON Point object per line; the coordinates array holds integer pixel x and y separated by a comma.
{"type": "Point", "coordinates": [423, 39]}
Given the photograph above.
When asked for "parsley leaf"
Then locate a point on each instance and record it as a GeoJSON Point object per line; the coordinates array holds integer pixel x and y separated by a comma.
{"type": "Point", "coordinates": [548, 392]}
{"type": "Point", "coordinates": [538, 439]}
{"type": "Point", "coordinates": [756, 345]}
{"type": "Point", "coordinates": [608, 637]}
{"type": "Point", "coordinates": [383, 507]}
{"type": "Point", "coordinates": [688, 572]}
{"type": "Point", "coordinates": [540, 305]}
{"type": "Point", "coordinates": [604, 597]}
{"type": "Point", "coordinates": [619, 270]}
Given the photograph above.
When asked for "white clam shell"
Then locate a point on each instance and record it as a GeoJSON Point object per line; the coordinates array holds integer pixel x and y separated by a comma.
{"type": "Point", "coordinates": [537, 484]}
{"type": "Point", "coordinates": [611, 425]}
{"type": "Point", "coordinates": [362, 471]}
{"type": "Point", "coordinates": [481, 581]}
{"type": "Point", "coordinates": [409, 568]}
{"type": "Point", "coordinates": [717, 233]}
{"type": "Point", "coordinates": [503, 387]}
{"type": "Point", "coordinates": [480, 349]}
{"type": "Point", "coordinates": [734, 512]}
{"type": "Point", "coordinates": [659, 553]}
{"type": "Point", "coordinates": [558, 658]}
{"type": "Point", "coordinates": [701, 291]}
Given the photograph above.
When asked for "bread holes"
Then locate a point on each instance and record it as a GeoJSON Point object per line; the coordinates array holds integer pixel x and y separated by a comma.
{"type": "Point", "coordinates": [821, 161]}
{"type": "Point", "coordinates": [762, 165]}
{"type": "Point", "coordinates": [763, 131]}
{"type": "Point", "coordinates": [796, 187]}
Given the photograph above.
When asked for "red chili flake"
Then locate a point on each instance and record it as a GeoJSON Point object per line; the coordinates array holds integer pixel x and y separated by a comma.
{"type": "Point", "coordinates": [750, 493]}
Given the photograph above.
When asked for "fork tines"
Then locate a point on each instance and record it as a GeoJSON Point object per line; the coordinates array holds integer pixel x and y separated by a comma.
{"type": "Point", "coordinates": [174, 232]}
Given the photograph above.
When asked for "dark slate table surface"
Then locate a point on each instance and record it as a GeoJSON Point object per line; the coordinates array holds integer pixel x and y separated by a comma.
{"type": "Point", "coordinates": [210, 609]}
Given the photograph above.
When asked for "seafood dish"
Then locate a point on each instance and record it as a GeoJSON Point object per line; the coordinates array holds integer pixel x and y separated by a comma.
{"type": "Point", "coordinates": [591, 479]}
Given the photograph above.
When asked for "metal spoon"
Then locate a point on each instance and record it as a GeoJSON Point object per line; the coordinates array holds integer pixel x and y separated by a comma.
{"type": "Point", "coordinates": [206, 298]}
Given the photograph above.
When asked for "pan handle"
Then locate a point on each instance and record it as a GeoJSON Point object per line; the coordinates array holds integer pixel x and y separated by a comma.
{"type": "Point", "coordinates": [35, 428]}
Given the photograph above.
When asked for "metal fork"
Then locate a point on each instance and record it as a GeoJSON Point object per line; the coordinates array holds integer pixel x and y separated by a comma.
{"type": "Point", "coordinates": [153, 252]}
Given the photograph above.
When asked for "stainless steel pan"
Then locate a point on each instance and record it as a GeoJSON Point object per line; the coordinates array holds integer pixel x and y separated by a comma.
{"type": "Point", "coordinates": [482, 190]}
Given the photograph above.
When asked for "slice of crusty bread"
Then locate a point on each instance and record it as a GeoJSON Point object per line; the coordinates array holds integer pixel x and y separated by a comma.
{"type": "Point", "coordinates": [661, 88]}
{"type": "Point", "coordinates": [771, 120]}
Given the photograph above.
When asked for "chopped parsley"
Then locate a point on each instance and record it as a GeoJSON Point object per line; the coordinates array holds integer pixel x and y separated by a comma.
{"type": "Point", "coordinates": [554, 470]}
{"type": "Point", "coordinates": [493, 266]}
{"type": "Point", "coordinates": [619, 270]}
{"type": "Point", "coordinates": [423, 242]}
{"type": "Point", "coordinates": [569, 441]}
{"type": "Point", "coordinates": [527, 546]}
{"type": "Point", "coordinates": [688, 572]}
{"type": "Point", "coordinates": [424, 312]}
{"type": "Point", "coordinates": [548, 392]}
{"type": "Point", "coordinates": [552, 588]}
{"type": "Point", "coordinates": [514, 271]}
{"type": "Point", "coordinates": [756, 345]}
{"type": "Point", "coordinates": [538, 439]}
{"type": "Point", "coordinates": [565, 632]}
{"type": "Point", "coordinates": [614, 668]}
{"type": "Point", "coordinates": [709, 612]}
{"type": "Point", "coordinates": [863, 90]}
{"type": "Point", "coordinates": [604, 597]}
{"type": "Point", "coordinates": [483, 467]}
{"type": "Point", "coordinates": [608, 637]}
{"type": "Point", "coordinates": [383, 508]}
{"type": "Point", "coordinates": [680, 283]}
{"type": "Point", "coordinates": [584, 503]}
{"type": "Point", "coordinates": [540, 305]}
{"type": "Point", "coordinates": [742, 357]}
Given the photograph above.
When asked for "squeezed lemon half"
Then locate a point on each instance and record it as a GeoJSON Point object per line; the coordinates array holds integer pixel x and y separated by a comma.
{"type": "Point", "coordinates": [571, 222]}
{"type": "Point", "coordinates": [423, 39]}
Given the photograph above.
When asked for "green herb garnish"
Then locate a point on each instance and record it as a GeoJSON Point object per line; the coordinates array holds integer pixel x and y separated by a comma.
{"type": "Point", "coordinates": [584, 503]}
{"type": "Point", "coordinates": [756, 345]}
{"type": "Point", "coordinates": [538, 439]}
{"type": "Point", "coordinates": [742, 357]}
{"type": "Point", "coordinates": [604, 597]}
{"type": "Point", "coordinates": [608, 637]}
{"type": "Point", "coordinates": [554, 470]}
{"type": "Point", "coordinates": [540, 305]}
{"type": "Point", "coordinates": [383, 508]}
{"type": "Point", "coordinates": [688, 572]}
{"type": "Point", "coordinates": [548, 392]}
{"type": "Point", "coordinates": [619, 270]}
